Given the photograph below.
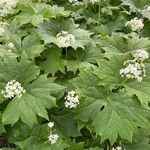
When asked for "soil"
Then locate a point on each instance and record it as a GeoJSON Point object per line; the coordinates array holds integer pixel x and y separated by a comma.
{"type": "Point", "coordinates": [5, 143]}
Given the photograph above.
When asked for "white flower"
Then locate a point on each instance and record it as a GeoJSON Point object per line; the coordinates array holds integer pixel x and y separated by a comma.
{"type": "Point", "coordinates": [6, 7]}
{"type": "Point", "coordinates": [12, 89]}
{"type": "Point", "coordinates": [117, 148]}
{"type": "Point", "coordinates": [50, 124]}
{"type": "Point", "coordinates": [53, 138]}
{"type": "Point", "coordinates": [3, 28]}
{"type": "Point", "coordinates": [94, 1]}
{"type": "Point", "coordinates": [72, 100]}
{"type": "Point", "coordinates": [11, 45]}
{"type": "Point", "coordinates": [1, 31]}
{"type": "Point", "coordinates": [65, 39]}
{"type": "Point", "coordinates": [71, 93]}
{"type": "Point", "coordinates": [148, 8]}
{"type": "Point", "coordinates": [146, 12]}
{"type": "Point", "coordinates": [141, 55]}
{"type": "Point", "coordinates": [73, 1]}
{"type": "Point", "coordinates": [134, 70]}
{"type": "Point", "coordinates": [135, 24]}
{"type": "Point", "coordinates": [9, 50]}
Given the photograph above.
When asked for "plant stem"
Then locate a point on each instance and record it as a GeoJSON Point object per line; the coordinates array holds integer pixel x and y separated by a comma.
{"type": "Point", "coordinates": [99, 11]}
{"type": "Point", "coordinates": [66, 52]}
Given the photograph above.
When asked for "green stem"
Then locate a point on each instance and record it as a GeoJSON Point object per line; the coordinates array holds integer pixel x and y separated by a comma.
{"type": "Point", "coordinates": [107, 147]}
{"type": "Point", "coordinates": [124, 81]}
{"type": "Point", "coordinates": [99, 11]}
{"type": "Point", "coordinates": [66, 52]}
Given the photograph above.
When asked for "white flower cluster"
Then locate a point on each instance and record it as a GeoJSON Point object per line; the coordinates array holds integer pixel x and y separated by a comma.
{"type": "Point", "coordinates": [73, 1]}
{"type": "Point", "coordinates": [135, 68]}
{"type": "Point", "coordinates": [65, 39]}
{"type": "Point", "coordinates": [135, 24]}
{"type": "Point", "coordinates": [141, 55]}
{"type": "Point", "coordinates": [2, 28]}
{"type": "Point", "coordinates": [72, 100]}
{"type": "Point", "coordinates": [12, 89]}
{"type": "Point", "coordinates": [76, 2]}
{"type": "Point", "coordinates": [11, 46]}
{"type": "Point", "coordinates": [1, 31]}
{"type": "Point", "coordinates": [6, 7]}
{"type": "Point", "coordinates": [117, 148]}
{"type": "Point", "coordinates": [94, 1]}
{"type": "Point", "coordinates": [146, 12]}
{"type": "Point", "coordinates": [52, 137]}
{"type": "Point", "coordinates": [50, 125]}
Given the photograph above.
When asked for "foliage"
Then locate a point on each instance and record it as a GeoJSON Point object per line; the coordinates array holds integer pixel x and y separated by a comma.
{"type": "Point", "coordinates": [72, 52]}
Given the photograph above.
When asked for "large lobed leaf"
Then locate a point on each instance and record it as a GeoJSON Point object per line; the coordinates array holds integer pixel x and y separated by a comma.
{"type": "Point", "coordinates": [108, 72]}
{"type": "Point", "coordinates": [110, 114]}
{"type": "Point", "coordinates": [36, 13]}
{"type": "Point", "coordinates": [49, 30]}
{"type": "Point", "coordinates": [38, 91]}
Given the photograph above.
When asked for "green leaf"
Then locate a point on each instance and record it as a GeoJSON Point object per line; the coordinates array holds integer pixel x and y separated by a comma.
{"type": "Point", "coordinates": [31, 45]}
{"type": "Point", "coordinates": [74, 146]}
{"type": "Point", "coordinates": [25, 18]}
{"type": "Point", "coordinates": [94, 148]}
{"type": "Point", "coordinates": [19, 109]}
{"type": "Point", "coordinates": [109, 123]}
{"type": "Point", "coordinates": [135, 5]}
{"type": "Point", "coordinates": [82, 38]}
{"type": "Point", "coordinates": [140, 145]}
{"type": "Point", "coordinates": [35, 144]}
{"type": "Point", "coordinates": [30, 13]}
{"type": "Point", "coordinates": [112, 26]}
{"type": "Point", "coordinates": [2, 129]}
{"type": "Point", "coordinates": [110, 114]}
{"type": "Point", "coordinates": [38, 91]}
{"type": "Point", "coordinates": [118, 44]}
{"type": "Point", "coordinates": [141, 89]}
{"type": "Point", "coordinates": [138, 43]}
{"type": "Point", "coordinates": [21, 132]}
{"type": "Point", "coordinates": [10, 148]}
{"type": "Point", "coordinates": [24, 71]}
{"type": "Point", "coordinates": [108, 71]}
{"type": "Point", "coordinates": [57, 12]}
{"type": "Point", "coordinates": [49, 30]}
{"type": "Point", "coordinates": [53, 60]}
{"type": "Point", "coordinates": [83, 58]}
{"type": "Point", "coordinates": [113, 44]}
{"type": "Point", "coordinates": [86, 85]}
{"type": "Point", "coordinates": [67, 125]}
{"type": "Point", "coordinates": [36, 13]}
{"type": "Point", "coordinates": [36, 137]}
